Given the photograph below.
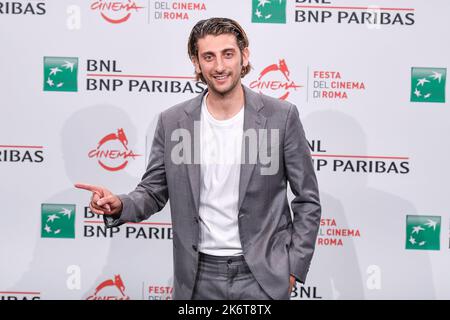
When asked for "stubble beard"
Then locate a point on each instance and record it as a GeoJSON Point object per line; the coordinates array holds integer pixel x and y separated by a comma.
{"type": "Point", "coordinates": [224, 92]}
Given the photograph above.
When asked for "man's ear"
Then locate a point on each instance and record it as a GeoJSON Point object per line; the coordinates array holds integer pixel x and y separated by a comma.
{"type": "Point", "coordinates": [245, 56]}
{"type": "Point", "coordinates": [196, 65]}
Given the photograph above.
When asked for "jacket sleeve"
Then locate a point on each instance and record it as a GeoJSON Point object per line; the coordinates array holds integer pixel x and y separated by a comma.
{"type": "Point", "coordinates": [151, 194]}
{"type": "Point", "coordinates": [305, 206]}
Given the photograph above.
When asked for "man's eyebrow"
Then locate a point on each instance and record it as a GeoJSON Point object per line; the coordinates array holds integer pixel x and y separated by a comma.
{"type": "Point", "coordinates": [224, 50]}
{"type": "Point", "coordinates": [229, 49]}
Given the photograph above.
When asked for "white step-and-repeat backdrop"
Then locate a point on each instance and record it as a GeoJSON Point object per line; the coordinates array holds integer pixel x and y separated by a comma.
{"type": "Point", "coordinates": [82, 84]}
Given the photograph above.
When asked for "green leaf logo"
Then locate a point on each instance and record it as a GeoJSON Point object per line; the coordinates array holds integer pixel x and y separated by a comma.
{"type": "Point", "coordinates": [423, 232]}
{"type": "Point", "coordinates": [60, 74]}
{"type": "Point", "coordinates": [269, 11]}
{"type": "Point", "coordinates": [428, 84]}
{"type": "Point", "coordinates": [57, 220]}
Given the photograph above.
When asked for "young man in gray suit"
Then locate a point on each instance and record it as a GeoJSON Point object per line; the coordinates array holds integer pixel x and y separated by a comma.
{"type": "Point", "coordinates": [223, 160]}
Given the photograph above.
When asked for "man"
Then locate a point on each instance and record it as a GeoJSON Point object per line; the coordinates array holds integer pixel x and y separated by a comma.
{"type": "Point", "coordinates": [233, 233]}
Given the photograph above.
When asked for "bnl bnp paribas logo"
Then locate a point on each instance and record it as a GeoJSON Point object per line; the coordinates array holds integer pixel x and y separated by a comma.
{"type": "Point", "coordinates": [423, 232]}
{"type": "Point", "coordinates": [57, 220]}
{"type": "Point", "coordinates": [428, 84]}
{"type": "Point", "coordinates": [269, 11]}
{"type": "Point", "coordinates": [61, 74]}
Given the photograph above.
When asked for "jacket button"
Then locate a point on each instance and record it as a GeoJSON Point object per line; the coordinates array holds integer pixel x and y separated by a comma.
{"type": "Point", "coordinates": [194, 247]}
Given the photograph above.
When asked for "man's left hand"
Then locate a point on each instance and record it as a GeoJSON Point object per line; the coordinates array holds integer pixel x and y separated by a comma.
{"type": "Point", "coordinates": [291, 283]}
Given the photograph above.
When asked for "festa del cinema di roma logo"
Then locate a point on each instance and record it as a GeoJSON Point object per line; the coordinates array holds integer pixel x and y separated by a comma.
{"type": "Point", "coordinates": [116, 11]}
{"type": "Point", "coordinates": [111, 289]}
{"type": "Point", "coordinates": [275, 80]}
{"type": "Point", "coordinates": [112, 153]}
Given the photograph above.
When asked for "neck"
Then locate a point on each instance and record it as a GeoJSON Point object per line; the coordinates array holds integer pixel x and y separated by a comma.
{"type": "Point", "coordinates": [225, 106]}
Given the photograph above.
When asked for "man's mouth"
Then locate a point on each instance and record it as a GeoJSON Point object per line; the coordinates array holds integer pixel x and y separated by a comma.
{"type": "Point", "coordinates": [220, 77]}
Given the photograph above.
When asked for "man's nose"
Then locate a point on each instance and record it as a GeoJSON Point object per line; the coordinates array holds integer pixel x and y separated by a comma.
{"type": "Point", "coordinates": [219, 65]}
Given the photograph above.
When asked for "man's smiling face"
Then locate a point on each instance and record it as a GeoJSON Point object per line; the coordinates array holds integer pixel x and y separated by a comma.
{"type": "Point", "coordinates": [220, 61]}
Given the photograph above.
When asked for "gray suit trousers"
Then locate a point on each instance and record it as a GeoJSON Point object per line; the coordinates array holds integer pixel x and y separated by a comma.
{"type": "Point", "coordinates": [226, 278]}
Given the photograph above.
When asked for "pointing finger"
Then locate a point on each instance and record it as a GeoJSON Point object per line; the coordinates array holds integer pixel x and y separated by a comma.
{"type": "Point", "coordinates": [88, 187]}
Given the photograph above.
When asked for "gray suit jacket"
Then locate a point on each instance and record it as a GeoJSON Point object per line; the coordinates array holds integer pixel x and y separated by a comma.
{"type": "Point", "coordinates": [274, 244]}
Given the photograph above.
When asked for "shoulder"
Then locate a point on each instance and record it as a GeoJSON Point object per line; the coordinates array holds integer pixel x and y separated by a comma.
{"type": "Point", "coordinates": [276, 105]}
{"type": "Point", "coordinates": [271, 106]}
{"type": "Point", "coordinates": [178, 111]}
{"type": "Point", "coordinates": [278, 110]}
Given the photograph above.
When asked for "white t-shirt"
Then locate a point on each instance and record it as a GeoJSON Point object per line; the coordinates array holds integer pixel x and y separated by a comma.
{"type": "Point", "coordinates": [220, 149]}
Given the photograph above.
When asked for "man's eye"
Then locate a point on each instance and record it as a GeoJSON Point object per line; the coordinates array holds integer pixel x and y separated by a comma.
{"type": "Point", "coordinates": [208, 58]}
{"type": "Point", "coordinates": [229, 54]}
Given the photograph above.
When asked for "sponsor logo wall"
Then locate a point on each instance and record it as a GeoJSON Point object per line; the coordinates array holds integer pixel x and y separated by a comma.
{"type": "Point", "coordinates": [82, 87]}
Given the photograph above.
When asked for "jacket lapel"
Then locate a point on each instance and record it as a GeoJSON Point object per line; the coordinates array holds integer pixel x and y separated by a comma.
{"type": "Point", "coordinates": [191, 122]}
{"type": "Point", "coordinates": [252, 120]}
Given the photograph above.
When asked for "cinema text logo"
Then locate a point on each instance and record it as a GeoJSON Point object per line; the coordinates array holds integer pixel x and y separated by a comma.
{"type": "Point", "coordinates": [274, 80]}
{"type": "Point", "coordinates": [423, 232]}
{"type": "Point", "coordinates": [57, 220]}
{"type": "Point", "coordinates": [21, 154]}
{"type": "Point", "coordinates": [269, 11]}
{"type": "Point", "coordinates": [331, 235]}
{"type": "Point", "coordinates": [112, 153]}
{"type": "Point", "coordinates": [116, 11]}
{"type": "Point", "coordinates": [94, 227]}
{"type": "Point", "coordinates": [22, 8]}
{"type": "Point", "coordinates": [111, 289]}
{"type": "Point", "coordinates": [428, 84]}
{"type": "Point", "coordinates": [60, 74]}
{"type": "Point", "coordinates": [106, 75]}
{"type": "Point", "coordinates": [346, 163]}
{"type": "Point", "coordinates": [158, 292]}
{"type": "Point", "coordinates": [178, 10]}
{"type": "Point", "coordinates": [331, 85]}
{"type": "Point", "coordinates": [323, 11]}
{"type": "Point", "coordinates": [19, 295]}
